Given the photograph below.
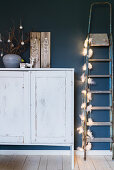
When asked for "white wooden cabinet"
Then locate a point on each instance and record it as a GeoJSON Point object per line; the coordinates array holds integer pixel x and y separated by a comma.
{"type": "Point", "coordinates": [37, 106]}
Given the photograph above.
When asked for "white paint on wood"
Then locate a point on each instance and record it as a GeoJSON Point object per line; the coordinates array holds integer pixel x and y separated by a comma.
{"type": "Point", "coordinates": [36, 107]}
{"type": "Point", "coordinates": [12, 102]}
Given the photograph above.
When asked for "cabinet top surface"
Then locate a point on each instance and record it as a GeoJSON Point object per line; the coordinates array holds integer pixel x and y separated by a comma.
{"type": "Point", "coordinates": [36, 69]}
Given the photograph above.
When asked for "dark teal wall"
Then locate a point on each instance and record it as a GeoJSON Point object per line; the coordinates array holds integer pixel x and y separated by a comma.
{"type": "Point", "coordinates": [67, 20]}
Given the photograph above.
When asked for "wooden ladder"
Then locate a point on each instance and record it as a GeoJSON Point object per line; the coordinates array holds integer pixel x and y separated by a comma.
{"type": "Point", "coordinates": [99, 40]}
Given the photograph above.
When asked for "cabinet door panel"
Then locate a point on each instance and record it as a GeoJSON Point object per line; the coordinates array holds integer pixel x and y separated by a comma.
{"type": "Point", "coordinates": [50, 113]}
{"type": "Point", "coordinates": [13, 107]}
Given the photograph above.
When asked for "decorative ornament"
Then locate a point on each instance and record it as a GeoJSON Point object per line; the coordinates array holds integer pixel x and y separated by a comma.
{"type": "Point", "coordinates": [21, 27]}
{"type": "Point", "coordinates": [0, 37]}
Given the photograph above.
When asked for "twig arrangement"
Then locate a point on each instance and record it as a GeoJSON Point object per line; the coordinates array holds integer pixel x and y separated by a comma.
{"type": "Point", "coordinates": [16, 43]}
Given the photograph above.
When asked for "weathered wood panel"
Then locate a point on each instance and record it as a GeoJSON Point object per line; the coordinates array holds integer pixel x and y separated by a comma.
{"type": "Point", "coordinates": [45, 49]}
{"type": "Point", "coordinates": [35, 49]}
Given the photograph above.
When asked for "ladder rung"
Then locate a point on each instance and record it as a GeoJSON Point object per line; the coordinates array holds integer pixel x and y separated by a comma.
{"type": "Point", "coordinates": [100, 92]}
{"type": "Point", "coordinates": [100, 140]}
{"type": "Point", "coordinates": [100, 60]}
{"type": "Point", "coordinates": [100, 124]}
{"type": "Point", "coordinates": [99, 76]}
{"type": "Point", "coordinates": [101, 108]}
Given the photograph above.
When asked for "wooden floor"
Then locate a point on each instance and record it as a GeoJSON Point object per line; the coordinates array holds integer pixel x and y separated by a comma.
{"type": "Point", "coordinates": [55, 163]}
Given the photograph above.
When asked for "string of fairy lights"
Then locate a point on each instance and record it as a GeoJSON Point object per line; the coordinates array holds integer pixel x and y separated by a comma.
{"type": "Point", "coordinates": [86, 106]}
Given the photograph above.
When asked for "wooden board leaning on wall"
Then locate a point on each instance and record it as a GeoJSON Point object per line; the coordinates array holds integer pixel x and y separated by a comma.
{"type": "Point", "coordinates": [40, 49]}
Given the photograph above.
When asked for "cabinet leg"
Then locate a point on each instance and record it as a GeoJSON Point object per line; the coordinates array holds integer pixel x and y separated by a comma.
{"type": "Point", "coordinates": [72, 155]}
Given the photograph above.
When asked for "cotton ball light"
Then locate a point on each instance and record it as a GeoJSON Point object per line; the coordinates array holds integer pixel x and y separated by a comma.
{"type": "Point", "coordinates": [80, 130]}
{"type": "Point", "coordinates": [89, 108]}
{"type": "Point", "coordinates": [88, 147]}
{"type": "Point", "coordinates": [83, 106]}
{"type": "Point", "coordinates": [90, 53]}
{"type": "Point", "coordinates": [84, 51]}
{"type": "Point", "coordinates": [90, 122]}
{"type": "Point", "coordinates": [83, 78]}
{"type": "Point", "coordinates": [89, 133]}
{"type": "Point", "coordinates": [80, 149]}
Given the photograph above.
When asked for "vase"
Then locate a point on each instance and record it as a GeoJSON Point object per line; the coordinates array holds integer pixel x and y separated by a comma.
{"type": "Point", "coordinates": [11, 61]}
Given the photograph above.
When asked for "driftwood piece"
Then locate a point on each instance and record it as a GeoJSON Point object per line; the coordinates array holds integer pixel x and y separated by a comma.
{"type": "Point", "coordinates": [45, 49]}
{"type": "Point", "coordinates": [35, 49]}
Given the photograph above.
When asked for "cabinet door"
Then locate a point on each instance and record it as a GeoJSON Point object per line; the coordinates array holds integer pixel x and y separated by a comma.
{"type": "Point", "coordinates": [51, 107]}
{"type": "Point", "coordinates": [14, 107]}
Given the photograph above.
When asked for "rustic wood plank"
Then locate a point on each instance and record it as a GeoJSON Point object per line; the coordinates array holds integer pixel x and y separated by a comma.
{"type": "Point", "coordinates": [45, 49]}
{"type": "Point", "coordinates": [43, 163]}
{"type": "Point", "coordinates": [99, 40]}
{"type": "Point", "coordinates": [110, 161]}
{"type": "Point", "coordinates": [35, 48]}
{"type": "Point", "coordinates": [100, 163]}
{"type": "Point", "coordinates": [85, 165]}
{"type": "Point", "coordinates": [31, 163]}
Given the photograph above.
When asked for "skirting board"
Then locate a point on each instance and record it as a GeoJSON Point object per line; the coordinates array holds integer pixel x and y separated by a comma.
{"type": "Point", "coordinates": [53, 152]}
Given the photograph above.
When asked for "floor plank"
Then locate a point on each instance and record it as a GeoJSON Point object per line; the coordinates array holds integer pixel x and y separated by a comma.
{"type": "Point", "coordinates": [31, 163]}
{"type": "Point", "coordinates": [100, 163]}
{"type": "Point", "coordinates": [66, 162]}
{"type": "Point", "coordinates": [85, 165]}
{"type": "Point", "coordinates": [4, 161]}
{"type": "Point", "coordinates": [43, 163]}
{"type": "Point", "coordinates": [57, 162]}
{"type": "Point", "coordinates": [52, 163]}
{"type": "Point", "coordinates": [110, 161]}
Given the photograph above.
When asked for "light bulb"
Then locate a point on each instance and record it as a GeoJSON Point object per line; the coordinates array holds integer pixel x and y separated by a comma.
{"type": "Point", "coordinates": [80, 149]}
{"type": "Point", "coordinates": [90, 122]}
{"type": "Point", "coordinates": [83, 106]}
{"type": "Point", "coordinates": [89, 108]}
{"type": "Point", "coordinates": [1, 54]}
{"type": "Point", "coordinates": [88, 147]}
{"type": "Point", "coordinates": [22, 43]}
{"type": "Point", "coordinates": [83, 78]}
{"type": "Point", "coordinates": [9, 41]}
{"type": "Point", "coordinates": [84, 51]}
{"type": "Point", "coordinates": [80, 130]}
{"type": "Point", "coordinates": [21, 27]}
{"type": "Point", "coordinates": [90, 53]}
